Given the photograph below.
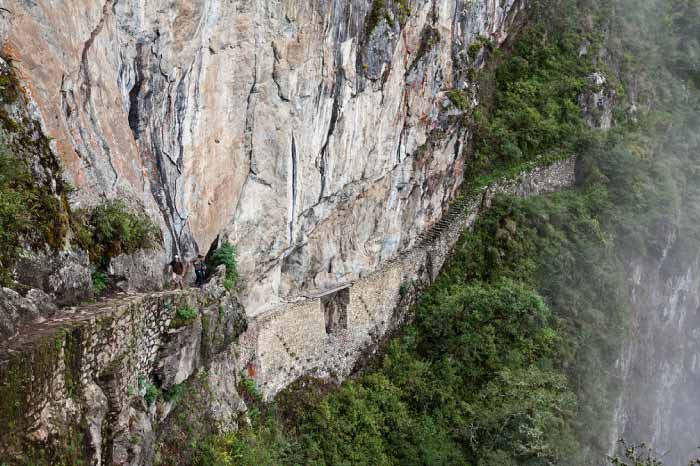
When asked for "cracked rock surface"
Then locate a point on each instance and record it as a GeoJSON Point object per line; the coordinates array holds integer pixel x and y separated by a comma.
{"type": "Point", "coordinates": [293, 128]}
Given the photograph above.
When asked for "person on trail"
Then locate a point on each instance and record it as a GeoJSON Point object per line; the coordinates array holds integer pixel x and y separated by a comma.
{"type": "Point", "coordinates": [200, 269]}
{"type": "Point", "coordinates": [178, 268]}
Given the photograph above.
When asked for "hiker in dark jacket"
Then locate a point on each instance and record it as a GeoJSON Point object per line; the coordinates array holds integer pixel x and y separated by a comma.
{"type": "Point", "coordinates": [200, 269]}
{"type": "Point", "coordinates": [178, 270]}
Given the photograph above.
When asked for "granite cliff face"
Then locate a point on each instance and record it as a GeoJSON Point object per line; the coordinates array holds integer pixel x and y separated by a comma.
{"type": "Point", "coordinates": [316, 136]}
{"type": "Point", "coordinates": [660, 364]}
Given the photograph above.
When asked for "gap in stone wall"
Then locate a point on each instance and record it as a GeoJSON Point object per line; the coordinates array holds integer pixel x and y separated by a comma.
{"type": "Point", "coordinates": [335, 310]}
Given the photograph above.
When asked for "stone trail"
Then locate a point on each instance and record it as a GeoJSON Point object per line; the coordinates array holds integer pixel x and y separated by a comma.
{"type": "Point", "coordinates": [543, 179]}
{"type": "Point", "coordinates": [332, 327]}
{"type": "Point", "coordinates": [76, 316]}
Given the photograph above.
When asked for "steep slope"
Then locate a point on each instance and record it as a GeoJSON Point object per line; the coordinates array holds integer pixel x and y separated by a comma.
{"type": "Point", "coordinates": [659, 366]}
{"type": "Point", "coordinates": [101, 382]}
{"type": "Point", "coordinates": [325, 140]}
{"type": "Point", "coordinates": [659, 369]}
{"type": "Point", "coordinates": [614, 260]}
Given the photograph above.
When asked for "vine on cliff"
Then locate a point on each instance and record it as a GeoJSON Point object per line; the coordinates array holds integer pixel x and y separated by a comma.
{"type": "Point", "coordinates": [33, 196]}
{"type": "Point", "coordinates": [34, 208]}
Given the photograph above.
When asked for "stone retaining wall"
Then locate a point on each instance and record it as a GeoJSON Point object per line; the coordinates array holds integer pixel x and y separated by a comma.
{"type": "Point", "coordinates": [292, 339]}
{"type": "Point", "coordinates": [84, 376]}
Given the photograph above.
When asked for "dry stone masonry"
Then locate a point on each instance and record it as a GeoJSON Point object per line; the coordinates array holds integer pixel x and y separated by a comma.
{"type": "Point", "coordinates": [85, 375]}
{"type": "Point", "coordinates": [325, 334]}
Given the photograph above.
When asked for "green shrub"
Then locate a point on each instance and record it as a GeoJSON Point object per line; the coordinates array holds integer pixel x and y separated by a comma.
{"type": "Point", "coordinates": [380, 10]}
{"type": "Point", "coordinates": [458, 98]}
{"type": "Point", "coordinates": [100, 282]}
{"type": "Point", "coordinates": [111, 229]}
{"type": "Point", "coordinates": [184, 316]}
{"type": "Point", "coordinates": [248, 387]}
{"type": "Point", "coordinates": [406, 287]}
{"type": "Point", "coordinates": [187, 313]}
{"type": "Point", "coordinates": [151, 392]}
{"type": "Point", "coordinates": [480, 43]}
{"type": "Point", "coordinates": [473, 50]}
{"type": "Point", "coordinates": [225, 255]}
{"type": "Point", "coordinates": [175, 393]}
{"type": "Point", "coordinates": [375, 15]}
{"type": "Point", "coordinates": [403, 11]}
{"type": "Point", "coordinates": [215, 451]}
{"type": "Point", "coordinates": [229, 284]}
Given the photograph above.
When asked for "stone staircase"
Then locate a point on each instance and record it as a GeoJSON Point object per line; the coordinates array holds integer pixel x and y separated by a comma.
{"type": "Point", "coordinates": [458, 210]}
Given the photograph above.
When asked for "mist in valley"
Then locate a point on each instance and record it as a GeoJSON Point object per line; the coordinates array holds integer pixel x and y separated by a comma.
{"type": "Point", "coordinates": [655, 45]}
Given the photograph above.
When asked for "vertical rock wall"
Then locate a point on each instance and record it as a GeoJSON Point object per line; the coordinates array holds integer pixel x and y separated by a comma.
{"type": "Point", "coordinates": [291, 127]}
{"type": "Point", "coordinates": [660, 365]}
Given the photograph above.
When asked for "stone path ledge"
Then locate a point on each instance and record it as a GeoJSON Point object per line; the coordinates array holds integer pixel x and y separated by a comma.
{"type": "Point", "coordinates": [74, 316]}
{"type": "Point", "coordinates": [536, 181]}
{"type": "Point", "coordinates": [445, 232]}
